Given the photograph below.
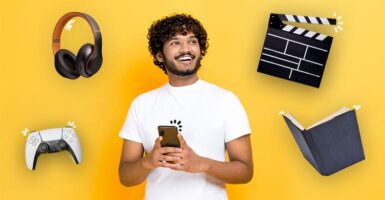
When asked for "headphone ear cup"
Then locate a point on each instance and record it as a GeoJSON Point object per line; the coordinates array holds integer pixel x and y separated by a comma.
{"type": "Point", "coordinates": [65, 64]}
{"type": "Point", "coordinates": [82, 59]}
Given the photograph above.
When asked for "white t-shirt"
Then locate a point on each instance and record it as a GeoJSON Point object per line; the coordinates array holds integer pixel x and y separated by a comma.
{"type": "Point", "coordinates": [207, 116]}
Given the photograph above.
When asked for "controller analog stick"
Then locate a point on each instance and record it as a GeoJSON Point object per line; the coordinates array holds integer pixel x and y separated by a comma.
{"type": "Point", "coordinates": [61, 145]}
{"type": "Point", "coordinates": [43, 147]}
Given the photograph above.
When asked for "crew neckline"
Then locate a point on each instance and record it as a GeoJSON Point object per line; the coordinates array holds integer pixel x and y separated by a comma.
{"type": "Point", "coordinates": [190, 87]}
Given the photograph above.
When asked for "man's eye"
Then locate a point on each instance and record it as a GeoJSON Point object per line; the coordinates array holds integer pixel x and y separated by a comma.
{"type": "Point", "coordinates": [194, 41]}
{"type": "Point", "coordinates": [174, 43]}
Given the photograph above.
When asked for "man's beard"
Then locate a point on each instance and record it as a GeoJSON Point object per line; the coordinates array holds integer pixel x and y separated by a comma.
{"type": "Point", "coordinates": [170, 66]}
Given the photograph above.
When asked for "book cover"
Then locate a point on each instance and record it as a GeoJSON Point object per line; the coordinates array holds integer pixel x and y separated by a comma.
{"type": "Point", "coordinates": [331, 144]}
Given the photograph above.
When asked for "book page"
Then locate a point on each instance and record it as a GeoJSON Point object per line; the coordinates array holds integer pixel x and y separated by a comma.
{"type": "Point", "coordinates": [330, 117]}
{"type": "Point", "coordinates": [294, 121]}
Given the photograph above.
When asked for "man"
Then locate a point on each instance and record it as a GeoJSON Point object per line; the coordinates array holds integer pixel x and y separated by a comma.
{"type": "Point", "coordinates": [210, 121]}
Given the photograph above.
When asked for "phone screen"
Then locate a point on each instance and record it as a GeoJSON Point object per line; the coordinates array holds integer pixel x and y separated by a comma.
{"type": "Point", "coordinates": [170, 136]}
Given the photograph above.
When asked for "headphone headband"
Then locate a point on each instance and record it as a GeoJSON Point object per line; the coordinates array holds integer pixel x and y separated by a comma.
{"type": "Point", "coordinates": [64, 19]}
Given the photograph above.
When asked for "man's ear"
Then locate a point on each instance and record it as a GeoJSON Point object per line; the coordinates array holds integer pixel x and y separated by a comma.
{"type": "Point", "coordinates": [159, 57]}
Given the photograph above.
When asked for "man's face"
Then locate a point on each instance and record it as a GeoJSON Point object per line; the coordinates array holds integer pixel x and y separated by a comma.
{"type": "Point", "coordinates": [181, 55]}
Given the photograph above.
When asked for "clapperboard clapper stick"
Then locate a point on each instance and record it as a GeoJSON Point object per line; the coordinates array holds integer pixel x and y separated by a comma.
{"type": "Point", "coordinates": [294, 53]}
{"type": "Point", "coordinates": [332, 143]}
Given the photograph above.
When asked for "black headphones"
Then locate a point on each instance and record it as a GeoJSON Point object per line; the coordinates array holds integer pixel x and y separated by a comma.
{"type": "Point", "coordinates": [89, 58]}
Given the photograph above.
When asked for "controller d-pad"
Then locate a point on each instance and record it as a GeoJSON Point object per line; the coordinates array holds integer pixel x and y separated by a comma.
{"type": "Point", "coordinates": [34, 140]}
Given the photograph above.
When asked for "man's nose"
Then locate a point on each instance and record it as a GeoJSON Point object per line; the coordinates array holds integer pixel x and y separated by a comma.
{"type": "Point", "coordinates": [185, 47]}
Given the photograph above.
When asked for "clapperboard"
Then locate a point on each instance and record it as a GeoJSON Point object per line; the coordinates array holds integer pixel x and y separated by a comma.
{"type": "Point", "coordinates": [294, 53]}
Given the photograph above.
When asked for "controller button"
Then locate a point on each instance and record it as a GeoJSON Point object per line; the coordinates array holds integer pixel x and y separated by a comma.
{"type": "Point", "coordinates": [70, 140]}
{"type": "Point", "coordinates": [34, 143]}
{"type": "Point", "coordinates": [65, 136]}
{"type": "Point", "coordinates": [43, 147]}
{"type": "Point", "coordinates": [61, 145]}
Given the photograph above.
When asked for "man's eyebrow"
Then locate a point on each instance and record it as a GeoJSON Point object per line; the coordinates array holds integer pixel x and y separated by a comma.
{"type": "Point", "coordinates": [176, 37]}
{"type": "Point", "coordinates": [173, 38]}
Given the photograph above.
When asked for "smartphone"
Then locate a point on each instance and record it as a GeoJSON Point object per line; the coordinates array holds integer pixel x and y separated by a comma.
{"type": "Point", "coordinates": [170, 136]}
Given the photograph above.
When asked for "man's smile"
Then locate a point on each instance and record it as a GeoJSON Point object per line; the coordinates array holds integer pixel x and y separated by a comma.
{"type": "Point", "coordinates": [185, 58]}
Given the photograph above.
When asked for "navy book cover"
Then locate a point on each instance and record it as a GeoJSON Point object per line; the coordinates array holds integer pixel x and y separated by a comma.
{"type": "Point", "coordinates": [331, 144]}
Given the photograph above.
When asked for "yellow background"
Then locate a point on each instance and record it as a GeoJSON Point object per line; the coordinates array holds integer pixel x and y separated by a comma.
{"type": "Point", "coordinates": [33, 95]}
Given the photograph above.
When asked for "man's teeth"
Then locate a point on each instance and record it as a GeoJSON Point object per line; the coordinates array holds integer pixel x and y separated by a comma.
{"type": "Point", "coordinates": [185, 58]}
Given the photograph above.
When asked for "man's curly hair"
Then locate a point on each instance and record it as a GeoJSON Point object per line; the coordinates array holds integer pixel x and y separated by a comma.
{"type": "Point", "coordinates": [164, 29]}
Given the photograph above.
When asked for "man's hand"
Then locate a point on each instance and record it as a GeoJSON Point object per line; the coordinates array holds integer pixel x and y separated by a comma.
{"type": "Point", "coordinates": [239, 168]}
{"type": "Point", "coordinates": [134, 168]}
{"type": "Point", "coordinates": [161, 156]}
{"type": "Point", "coordinates": [188, 160]}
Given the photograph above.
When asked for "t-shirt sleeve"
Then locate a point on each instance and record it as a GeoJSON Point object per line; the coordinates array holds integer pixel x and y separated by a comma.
{"type": "Point", "coordinates": [130, 128]}
{"type": "Point", "coordinates": [236, 121]}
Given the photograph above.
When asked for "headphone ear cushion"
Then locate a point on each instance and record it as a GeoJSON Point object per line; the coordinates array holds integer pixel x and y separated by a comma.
{"type": "Point", "coordinates": [65, 64]}
{"type": "Point", "coordinates": [82, 59]}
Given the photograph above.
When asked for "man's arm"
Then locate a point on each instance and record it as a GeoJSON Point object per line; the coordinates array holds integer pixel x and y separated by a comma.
{"type": "Point", "coordinates": [131, 170]}
{"type": "Point", "coordinates": [239, 168]}
{"type": "Point", "coordinates": [134, 168]}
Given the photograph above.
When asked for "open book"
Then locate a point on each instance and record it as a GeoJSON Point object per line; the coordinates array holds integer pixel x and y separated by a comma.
{"type": "Point", "coordinates": [330, 144]}
{"type": "Point", "coordinates": [330, 117]}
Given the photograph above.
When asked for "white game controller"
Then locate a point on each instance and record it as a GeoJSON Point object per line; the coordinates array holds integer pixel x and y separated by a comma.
{"type": "Point", "coordinates": [50, 141]}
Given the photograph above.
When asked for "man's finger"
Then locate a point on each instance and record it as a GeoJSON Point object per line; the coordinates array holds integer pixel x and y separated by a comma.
{"type": "Point", "coordinates": [168, 158]}
{"type": "Point", "coordinates": [157, 142]}
{"type": "Point", "coordinates": [176, 154]}
{"type": "Point", "coordinates": [181, 140]}
{"type": "Point", "coordinates": [171, 165]}
{"type": "Point", "coordinates": [167, 150]}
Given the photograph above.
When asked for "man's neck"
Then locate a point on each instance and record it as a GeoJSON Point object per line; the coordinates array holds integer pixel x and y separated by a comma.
{"type": "Point", "coordinates": [178, 81]}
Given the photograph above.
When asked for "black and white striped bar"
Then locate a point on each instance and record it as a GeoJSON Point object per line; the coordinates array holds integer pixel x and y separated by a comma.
{"type": "Point", "coordinates": [308, 19]}
{"type": "Point", "coordinates": [294, 53]}
{"type": "Point", "coordinates": [304, 32]}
